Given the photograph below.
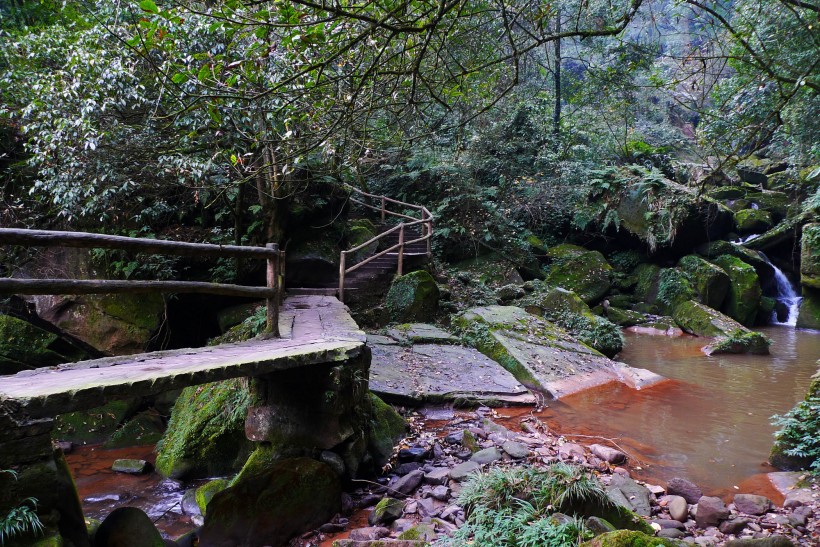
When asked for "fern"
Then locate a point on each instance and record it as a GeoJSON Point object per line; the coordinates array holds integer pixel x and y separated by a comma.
{"type": "Point", "coordinates": [21, 520]}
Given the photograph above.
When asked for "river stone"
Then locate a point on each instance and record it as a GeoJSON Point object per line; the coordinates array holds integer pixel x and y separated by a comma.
{"type": "Point", "coordinates": [370, 533]}
{"type": "Point", "coordinates": [734, 525]}
{"type": "Point", "coordinates": [599, 526]}
{"type": "Point", "coordinates": [678, 508]}
{"type": "Point", "coordinates": [608, 454]}
{"type": "Point", "coordinates": [772, 541]}
{"type": "Point", "coordinates": [441, 493]}
{"type": "Point", "coordinates": [711, 511]}
{"type": "Point", "coordinates": [385, 512]}
{"type": "Point", "coordinates": [488, 455]}
{"type": "Point", "coordinates": [206, 492]}
{"type": "Point", "coordinates": [462, 470]}
{"type": "Point", "coordinates": [671, 533]}
{"type": "Point", "coordinates": [684, 488]}
{"type": "Point", "coordinates": [752, 504]}
{"type": "Point", "coordinates": [132, 467]}
{"type": "Point", "coordinates": [434, 373]}
{"type": "Point", "coordinates": [437, 475]}
{"type": "Point", "coordinates": [127, 527]}
{"type": "Point", "coordinates": [268, 508]}
{"type": "Point", "coordinates": [665, 524]}
{"type": "Point", "coordinates": [570, 451]}
{"type": "Point", "coordinates": [409, 482]}
{"type": "Point", "coordinates": [637, 497]}
{"type": "Point", "coordinates": [515, 449]}
{"type": "Point", "coordinates": [701, 320]}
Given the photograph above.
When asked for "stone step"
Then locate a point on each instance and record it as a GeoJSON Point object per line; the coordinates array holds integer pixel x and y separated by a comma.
{"type": "Point", "coordinates": [312, 291]}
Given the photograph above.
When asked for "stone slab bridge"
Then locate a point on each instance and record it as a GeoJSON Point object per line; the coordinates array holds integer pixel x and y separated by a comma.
{"type": "Point", "coordinates": [295, 382]}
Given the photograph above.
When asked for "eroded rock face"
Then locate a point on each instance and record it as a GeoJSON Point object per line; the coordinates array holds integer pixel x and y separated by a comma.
{"type": "Point", "coordinates": [743, 299]}
{"type": "Point", "coordinates": [269, 508]}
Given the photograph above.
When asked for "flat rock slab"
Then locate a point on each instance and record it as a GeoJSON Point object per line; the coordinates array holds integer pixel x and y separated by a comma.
{"type": "Point", "coordinates": [421, 333]}
{"type": "Point", "coordinates": [314, 329]}
{"type": "Point", "coordinates": [431, 373]}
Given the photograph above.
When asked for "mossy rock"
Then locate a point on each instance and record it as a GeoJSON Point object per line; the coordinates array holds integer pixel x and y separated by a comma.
{"type": "Point", "coordinates": [696, 318]}
{"type": "Point", "coordinates": [206, 492]}
{"type": "Point", "coordinates": [631, 538]}
{"type": "Point", "coordinates": [413, 297]}
{"type": "Point", "coordinates": [624, 318]}
{"type": "Point", "coordinates": [287, 499]}
{"type": "Point", "coordinates": [24, 347]}
{"type": "Point", "coordinates": [127, 526]}
{"type": "Point", "coordinates": [809, 315]}
{"type": "Point", "coordinates": [387, 427]}
{"type": "Point", "coordinates": [587, 274]}
{"type": "Point", "coordinates": [810, 256]}
{"type": "Point", "coordinates": [674, 288]}
{"type": "Point", "coordinates": [743, 299]}
{"type": "Point", "coordinates": [766, 310]}
{"type": "Point", "coordinates": [719, 248]}
{"type": "Point", "coordinates": [95, 425]}
{"type": "Point", "coordinates": [146, 427]}
{"type": "Point", "coordinates": [490, 269]}
{"type": "Point", "coordinates": [565, 251]}
{"type": "Point", "coordinates": [777, 204]}
{"type": "Point", "coordinates": [753, 221]}
{"type": "Point", "coordinates": [356, 235]}
{"type": "Point", "coordinates": [709, 280]}
{"type": "Point", "coordinates": [206, 433]}
{"type": "Point", "coordinates": [648, 276]}
{"type": "Point", "coordinates": [558, 301]}
{"type": "Point", "coordinates": [727, 192]}
{"type": "Point", "coordinates": [785, 462]}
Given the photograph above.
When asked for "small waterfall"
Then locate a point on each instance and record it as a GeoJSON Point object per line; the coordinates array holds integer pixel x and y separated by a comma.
{"type": "Point", "coordinates": [786, 297]}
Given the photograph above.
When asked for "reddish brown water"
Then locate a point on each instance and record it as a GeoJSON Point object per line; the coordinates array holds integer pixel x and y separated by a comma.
{"type": "Point", "coordinates": [711, 422]}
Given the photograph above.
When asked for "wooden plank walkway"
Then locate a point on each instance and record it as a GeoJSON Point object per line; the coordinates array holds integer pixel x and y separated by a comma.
{"type": "Point", "coordinates": [314, 329]}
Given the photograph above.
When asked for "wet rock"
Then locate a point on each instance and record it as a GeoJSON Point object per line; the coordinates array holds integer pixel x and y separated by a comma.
{"type": "Point", "coordinates": [678, 508]}
{"type": "Point", "coordinates": [488, 455]}
{"type": "Point", "coordinates": [128, 526]}
{"type": "Point", "coordinates": [132, 467]}
{"type": "Point", "coordinates": [609, 455]}
{"type": "Point", "coordinates": [412, 454]}
{"type": "Point", "coordinates": [684, 488]}
{"type": "Point", "coordinates": [515, 449]}
{"type": "Point", "coordinates": [409, 482]}
{"type": "Point", "coordinates": [188, 503]}
{"type": "Point", "coordinates": [711, 511]}
{"type": "Point", "coordinates": [462, 470]}
{"type": "Point", "coordinates": [334, 461]}
{"type": "Point", "coordinates": [385, 512]}
{"type": "Point", "coordinates": [454, 437]}
{"type": "Point", "coordinates": [332, 528]}
{"type": "Point", "coordinates": [206, 492]}
{"type": "Point", "coordinates": [734, 525]}
{"type": "Point", "coordinates": [752, 504]}
{"type": "Point", "coordinates": [369, 534]}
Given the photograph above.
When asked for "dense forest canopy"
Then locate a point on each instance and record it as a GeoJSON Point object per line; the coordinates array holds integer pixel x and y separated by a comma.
{"type": "Point", "coordinates": [230, 114]}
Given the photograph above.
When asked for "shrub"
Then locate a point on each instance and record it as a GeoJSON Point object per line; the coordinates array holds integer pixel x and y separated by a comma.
{"type": "Point", "coordinates": [799, 433]}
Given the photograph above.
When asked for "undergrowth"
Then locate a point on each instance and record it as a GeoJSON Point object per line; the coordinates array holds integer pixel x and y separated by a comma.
{"type": "Point", "coordinates": [799, 433]}
{"type": "Point", "coordinates": [20, 520]}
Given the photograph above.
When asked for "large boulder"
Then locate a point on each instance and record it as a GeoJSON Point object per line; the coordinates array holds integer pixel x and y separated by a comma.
{"type": "Point", "coordinates": [269, 508]}
{"type": "Point", "coordinates": [206, 433]}
{"type": "Point", "coordinates": [744, 295]}
{"type": "Point", "coordinates": [541, 355]}
{"type": "Point", "coordinates": [118, 324]}
{"type": "Point", "coordinates": [809, 315]}
{"type": "Point", "coordinates": [629, 538]}
{"type": "Point", "coordinates": [566, 309]}
{"type": "Point", "coordinates": [753, 221]}
{"type": "Point", "coordinates": [720, 248]}
{"type": "Point", "coordinates": [586, 273]}
{"type": "Point", "coordinates": [387, 427]}
{"type": "Point", "coordinates": [127, 527]}
{"type": "Point", "coordinates": [413, 297]}
{"type": "Point", "coordinates": [810, 256]}
{"type": "Point", "coordinates": [710, 281]}
{"type": "Point", "coordinates": [24, 347]}
{"type": "Point", "coordinates": [674, 288]}
{"type": "Point", "coordinates": [732, 337]}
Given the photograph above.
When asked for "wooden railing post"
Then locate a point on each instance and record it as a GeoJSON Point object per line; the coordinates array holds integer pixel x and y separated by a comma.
{"type": "Point", "coordinates": [282, 261]}
{"type": "Point", "coordinates": [382, 209]}
{"type": "Point", "coordinates": [401, 248]}
{"type": "Point", "coordinates": [342, 276]}
{"type": "Point", "coordinates": [273, 283]}
{"type": "Point", "coordinates": [430, 237]}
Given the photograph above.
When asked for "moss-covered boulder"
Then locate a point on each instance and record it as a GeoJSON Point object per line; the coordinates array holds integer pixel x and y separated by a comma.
{"type": "Point", "coordinates": [586, 273]}
{"type": "Point", "coordinates": [413, 297]}
{"type": "Point", "coordinates": [710, 281]}
{"type": "Point", "coordinates": [359, 232]}
{"type": "Point", "coordinates": [95, 425]}
{"type": "Point", "coordinates": [24, 347]}
{"type": "Point", "coordinates": [269, 508]}
{"type": "Point", "coordinates": [490, 269]}
{"type": "Point", "coordinates": [674, 288]}
{"type": "Point", "coordinates": [809, 315]}
{"type": "Point", "coordinates": [206, 433]}
{"type": "Point", "coordinates": [753, 221]}
{"type": "Point", "coordinates": [630, 538]}
{"type": "Point", "coordinates": [743, 299]}
{"type": "Point", "coordinates": [624, 318]}
{"type": "Point", "coordinates": [541, 355]}
{"type": "Point", "coordinates": [387, 427]}
{"type": "Point", "coordinates": [566, 309]}
{"type": "Point", "coordinates": [778, 204]}
{"type": "Point", "coordinates": [118, 324]}
{"type": "Point", "coordinates": [719, 248]}
{"type": "Point", "coordinates": [127, 526]}
{"type": "Point", "coordinates": [647, 284]}
{"type": "Point", "coordinates": [146, 427]}
{"type": "Point", "coordinates": [732, 337]}
{"type": "Point", "coordinates": [205, 493]}
{"type": "Point", "coordinates": [810, 256]}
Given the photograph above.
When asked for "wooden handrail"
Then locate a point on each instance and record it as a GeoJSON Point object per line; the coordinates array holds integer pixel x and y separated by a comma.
{"type": "Point", "coordinates": [51, 238]}
{"type": "Point", "coordinates": [426, 222]}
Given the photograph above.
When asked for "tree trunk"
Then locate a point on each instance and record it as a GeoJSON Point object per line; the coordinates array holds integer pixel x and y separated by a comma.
{"type": "Point", "coordinates": [556, 113]}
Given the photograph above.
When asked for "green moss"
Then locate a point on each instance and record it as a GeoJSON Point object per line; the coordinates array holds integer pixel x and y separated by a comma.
{"type": "Point", "coordinates": [95, 425]}
{"type": "Point", "coordinates": [753, 221]}
{"type": "Point", "coordinates": [140, 310]}
{"type": "Point", "coordinates": [732, 337]}
{"type": "Point", "coordinates": [24, 346]}
{"type": "Point", "coordinates": [630, 538]}
{"type": "Point", "coordinates": [743, 299]}
{"type": "Point", "coordinates": [565, 251]}
{"type": "Point", "coordinates": [809, 315]}
{"type": "Point", "coordinates": [413, 297]}
{"type": "Point", "coordinates": [646, 289]}
{"type": "Point", "coordinates": [709, 280]}
{"type": "Point", "coordinates": [810, 256]}
{"type": "Point", "coordinates": [469, 442]}
{"type": "Point", "coordinates": [206, 433]}
{"type": "Point", "coordinates": [206, 492]}
{"type": "Point", "coordinates": [673, 288]}
{"type": "Point", "coordinates": [587, 273]}
{"type": "Point", "coordinates": [716, 249]}
{"type": "Point", "coordinates": [387, 427]}
{"type": "Point", "coordinates": [144, 428]}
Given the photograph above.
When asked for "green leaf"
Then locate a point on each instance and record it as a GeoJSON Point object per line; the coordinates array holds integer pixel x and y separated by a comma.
{"type": "Point", "coordinates": [204, 72]}
{"type": "Point", "coordinates": [179, 78]}
{"type": "Point", "coordinates": [149, 6]}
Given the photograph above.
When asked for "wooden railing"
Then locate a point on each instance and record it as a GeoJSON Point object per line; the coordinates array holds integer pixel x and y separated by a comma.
{"type": "Point", "coordinates": [47, 238]}
{"type": "Point", "coordinates": [425, 220]}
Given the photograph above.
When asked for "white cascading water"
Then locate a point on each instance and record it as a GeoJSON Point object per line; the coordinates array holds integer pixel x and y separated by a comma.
{"type": "Point", "coordinates": [786, 295]}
